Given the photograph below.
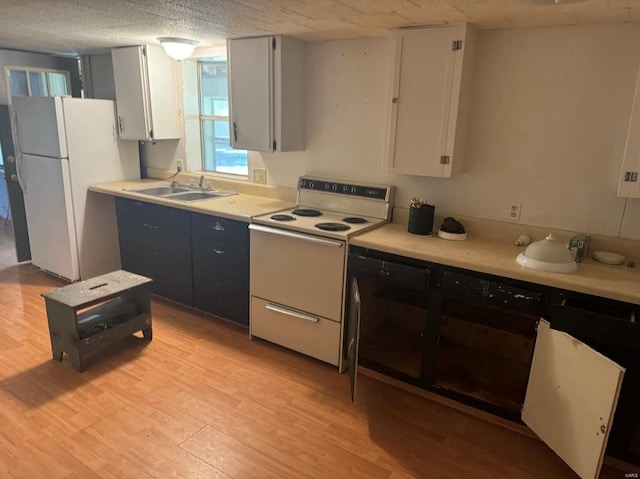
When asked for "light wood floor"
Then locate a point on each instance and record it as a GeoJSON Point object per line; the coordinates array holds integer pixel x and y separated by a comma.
{"type": "Point", "coordinates": [203, 401]}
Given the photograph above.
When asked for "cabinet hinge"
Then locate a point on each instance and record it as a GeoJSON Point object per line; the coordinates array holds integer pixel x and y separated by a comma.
{"type": "Point", "coordinates": [274, 145]}
{"type": "Point", "coordinates": [144, 50]}
{"type": "Point", "coordinates": [273, 43]}
{"type": "Point", "coordinates": [456, 45]}
{"type": "Point", "coordinates": [444, 160]}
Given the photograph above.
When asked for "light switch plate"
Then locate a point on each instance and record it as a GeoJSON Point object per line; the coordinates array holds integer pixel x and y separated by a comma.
{"type": "Point", "coordinates": [259, 175]}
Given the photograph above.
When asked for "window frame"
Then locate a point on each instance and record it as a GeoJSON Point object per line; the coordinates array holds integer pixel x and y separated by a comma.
{"type": "Point", "coordinates": [9, 68]}
{"type": "Point", "coordinates": [203, 118]}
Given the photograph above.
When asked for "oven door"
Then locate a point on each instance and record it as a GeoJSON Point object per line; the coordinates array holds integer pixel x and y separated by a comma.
{"type": "Point", "coordinates": [301, 271]}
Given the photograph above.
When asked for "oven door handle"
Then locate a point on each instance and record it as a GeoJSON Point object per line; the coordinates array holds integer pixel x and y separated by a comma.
{"type": "Point", "coordinates": [313, 239]}
{"type": "Point", "coordinates": [291, 312]}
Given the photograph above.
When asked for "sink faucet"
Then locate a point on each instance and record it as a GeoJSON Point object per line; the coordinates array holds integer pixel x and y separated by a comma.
{"type": "Point", "coordinates": [201, 181]}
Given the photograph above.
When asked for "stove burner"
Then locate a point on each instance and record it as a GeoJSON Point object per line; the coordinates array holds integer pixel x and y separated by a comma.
{"type": "Point", "coordinates": [283, 218]}
{"type": "Point", "coordinates": [306, 212]}
{"type": "Point", "coordinates": [333, 226]}
{"type": "Point", "coordinates": [354, 220]}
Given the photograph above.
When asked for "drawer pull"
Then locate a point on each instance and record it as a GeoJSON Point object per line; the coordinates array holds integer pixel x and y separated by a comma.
{"type": "Point", "coordinates": [291, 312]}
{"type": "Point", "coordinates": [218, 251]}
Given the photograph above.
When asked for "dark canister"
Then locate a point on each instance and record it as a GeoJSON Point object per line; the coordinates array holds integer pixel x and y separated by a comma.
{"type": "Point", "coordinates": [421, 218]}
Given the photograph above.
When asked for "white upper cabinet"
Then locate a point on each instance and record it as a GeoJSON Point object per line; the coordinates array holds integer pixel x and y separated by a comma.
{"type": "Point", "coordinates": [146, 93]}
{"type": "Point", "coordinates": [266, 93]}
{"type": "Point", "coordinates": [629, 185]}
{"type": "Point", "coordinates": [428, 99]}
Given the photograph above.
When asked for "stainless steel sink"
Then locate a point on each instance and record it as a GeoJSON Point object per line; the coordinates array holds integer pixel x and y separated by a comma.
{"type": "Point", "coordinates": [160, 190]}
{"type": "Point", "coordinates": [181, 193]}
{"type": "Point", "coordinates": [199, 195]}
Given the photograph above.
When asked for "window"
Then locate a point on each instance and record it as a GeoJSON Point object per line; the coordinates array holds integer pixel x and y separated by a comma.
{"type": "Point", "coordinates": [38, 82]}
{"type": "Point", "coordinates": [217, 153]}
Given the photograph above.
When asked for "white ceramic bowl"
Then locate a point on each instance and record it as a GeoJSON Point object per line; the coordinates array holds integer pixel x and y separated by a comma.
{"type": "Point", "coordinates": [608, 257]}
{"type": "Point", "coordinates": [548, 255]}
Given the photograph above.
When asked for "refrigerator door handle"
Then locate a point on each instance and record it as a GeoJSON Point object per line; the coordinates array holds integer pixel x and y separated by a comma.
{"type": "Point", "coordinates": [19, 172]}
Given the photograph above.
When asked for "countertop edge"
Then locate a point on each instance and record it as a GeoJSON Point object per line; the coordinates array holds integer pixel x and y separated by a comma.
{"type": "Point", "coordinates": [491, 256]}
{"type": "Point", "coordinates": [214, 206]}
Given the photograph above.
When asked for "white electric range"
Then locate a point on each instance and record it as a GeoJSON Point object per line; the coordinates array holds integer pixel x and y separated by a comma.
{"type": "Point", "coordinates": [298, 264]}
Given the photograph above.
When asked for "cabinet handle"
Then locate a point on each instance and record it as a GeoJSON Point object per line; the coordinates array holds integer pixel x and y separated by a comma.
{"type": "Point", "coordinates": [218, 226]}
{"type": "Point", "coordinates": [235, 132]}
{"type": "Point", "coordinates": [291, 312]}
{"type": "Point", "coordinates": [352, 343]}
{"type": "Point", "coordinates": [120, 124]}
{"type": "Point", "coordinates": [394, 100]}
{"type": "Point", "coordinates": [218, 251]}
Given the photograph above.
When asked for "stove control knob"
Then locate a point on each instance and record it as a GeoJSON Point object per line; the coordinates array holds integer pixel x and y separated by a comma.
{"type": "Point", "coordinates": [311, 184]}
{"type": "Point", "coordinates": [345, 188]}
{"type": "Point", "coordinates": [353, 190]}
{"type": "Point", "coordinates": [334, 187]}
{"type": "Point", "coordinates": [327, 186]}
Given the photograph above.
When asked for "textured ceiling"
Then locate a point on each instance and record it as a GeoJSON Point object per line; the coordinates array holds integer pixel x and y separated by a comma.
{"type": "Point", "coordinates": [77, 26]}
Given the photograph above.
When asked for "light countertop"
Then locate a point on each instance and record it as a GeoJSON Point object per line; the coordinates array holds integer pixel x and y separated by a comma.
{"type": "Point", "coordinates": [498, 257]}
{"type": "Point", "coordinates": [238, 207]}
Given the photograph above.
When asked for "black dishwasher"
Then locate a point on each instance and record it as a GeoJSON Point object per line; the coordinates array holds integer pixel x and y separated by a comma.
{"type": "Point", "coordinates": [397, 335]}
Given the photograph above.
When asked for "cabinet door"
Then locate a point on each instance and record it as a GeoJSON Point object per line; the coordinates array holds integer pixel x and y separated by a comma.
{"type": "Point", "coordinates": [629, 185]}
{"type": "Point", "coordinates": [224, 298]}
{"type": "Point", "coordinates": [132, 95]}
{"type": "Point", "coordinates": [251, 93]}
{"type": "Point", "coordinates": [163, 94]}
{"type": "Point", "coordinates": [222, 260]}
{"type": "Point", "coordinates": [353, 335]}
{"type": "Point", "coordinates": [571, 399]}
{"type": "Point", "coordinates": [426, 82]}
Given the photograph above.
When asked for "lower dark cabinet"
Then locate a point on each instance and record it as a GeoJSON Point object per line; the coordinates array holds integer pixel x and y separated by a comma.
{"type": "Point", "coordinates": [224, 298]}
{"type": "Point", "coordinates": [156, 249]}
{"type": "Point", "coordinates": [220, 251]}
{"type": "Point", "coordinates": [194, 259]}
{"type": "Point", "coordinates": [558, 361]}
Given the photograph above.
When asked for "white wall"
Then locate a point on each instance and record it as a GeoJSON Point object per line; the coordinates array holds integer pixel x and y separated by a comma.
{"type": "Point", "coordinates": [548, 124]}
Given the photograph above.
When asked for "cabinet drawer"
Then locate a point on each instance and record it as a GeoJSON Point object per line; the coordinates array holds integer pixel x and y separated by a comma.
{"type": "Point", "coordinates": [472, 289]}
{"type": "Point", "coordinates": [394, 273]}
{"type": "Point", "coordinates": [227, 299]}
{"type": "Point", "coordinates": [222, 229]}
{"type": "Point", "coordinates": [222, 260]}
{"type": "Point", "coordinates": [320, 339]}
{"type": "Point", "coordinates": [154, 215]}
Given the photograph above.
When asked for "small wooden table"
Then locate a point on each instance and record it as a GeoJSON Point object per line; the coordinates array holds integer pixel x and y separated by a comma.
{"type": "Point", "coordinates": [87, 316]}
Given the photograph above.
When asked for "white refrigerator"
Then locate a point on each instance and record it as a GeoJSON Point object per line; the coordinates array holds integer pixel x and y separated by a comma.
{"type": "Point", "coordinates": [65, 145]}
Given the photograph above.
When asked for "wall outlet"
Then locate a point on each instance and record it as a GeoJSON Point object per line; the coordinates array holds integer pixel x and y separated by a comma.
{"type": "Point", "coordinates": [513, 211]}
{"type": "Point", "coordinates": [179, 165]}
{"type": "Point", "coordinates": [259, 175]}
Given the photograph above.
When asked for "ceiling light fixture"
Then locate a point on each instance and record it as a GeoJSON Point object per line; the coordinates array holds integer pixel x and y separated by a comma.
{"type": "Point", "coordinates": [178, 48]}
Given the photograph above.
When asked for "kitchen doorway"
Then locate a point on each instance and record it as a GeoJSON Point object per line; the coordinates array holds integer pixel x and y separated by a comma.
{"type": "Point", "coordinates": [13, 218]}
